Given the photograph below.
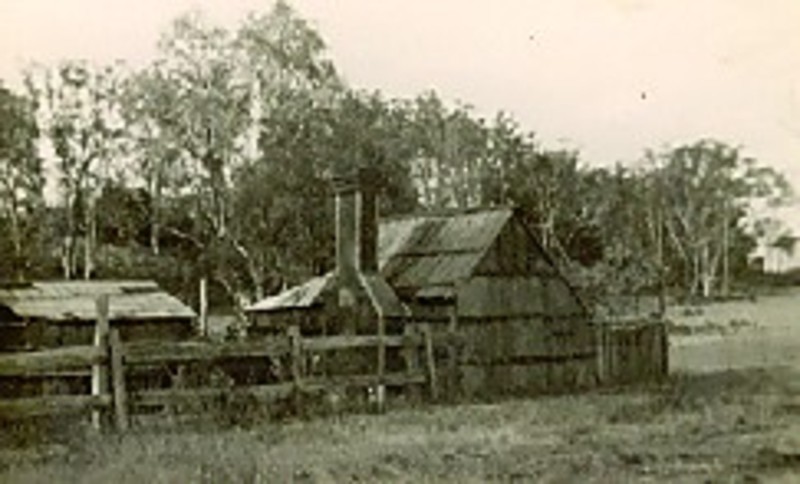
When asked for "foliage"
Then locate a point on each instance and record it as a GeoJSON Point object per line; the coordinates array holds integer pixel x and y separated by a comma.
{"type": "Point", "coordinates": [78, 103]}
{"type": "Point", "coordinates": [216, 158]}
{"type": "Point", "coordinates": [705, 190]}
{"type": "Point", "coordinates": [21, 184]}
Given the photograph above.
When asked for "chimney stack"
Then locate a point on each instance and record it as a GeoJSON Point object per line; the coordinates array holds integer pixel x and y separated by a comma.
{"type": "Point", "coordinates": [356, 224]}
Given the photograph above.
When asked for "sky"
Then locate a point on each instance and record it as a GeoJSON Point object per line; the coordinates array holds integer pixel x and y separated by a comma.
{"type": "Point", "coordinates": [610, 78]}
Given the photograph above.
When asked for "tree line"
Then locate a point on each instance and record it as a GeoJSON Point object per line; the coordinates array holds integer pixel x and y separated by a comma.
{"type": "Point", "coordinates": [213, 161]}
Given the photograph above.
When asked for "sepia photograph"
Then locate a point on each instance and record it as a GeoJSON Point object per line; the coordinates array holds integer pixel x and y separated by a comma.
{"type": "Point", "coordinates": [318, 241]}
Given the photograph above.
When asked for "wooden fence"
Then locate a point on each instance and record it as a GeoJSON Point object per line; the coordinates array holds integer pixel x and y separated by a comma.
{"type": "Point", "coordinates": [112, 362]}
{"type": "Point", "coordinates": [632, 351]}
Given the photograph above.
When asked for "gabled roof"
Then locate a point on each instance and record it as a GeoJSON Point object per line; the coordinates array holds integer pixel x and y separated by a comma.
{"type": "Point", "coordinates": [433, 250]}
{"type": "Point", "coordinates": [425, 253]}
{"type": "Point", "coordinates": [75, 300]}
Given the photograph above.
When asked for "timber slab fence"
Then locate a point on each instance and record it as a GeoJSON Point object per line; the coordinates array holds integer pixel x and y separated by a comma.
{"type": "Point", "coordinates": [112, 362]}
{"type": "Point", "coordinates": [634, 350]}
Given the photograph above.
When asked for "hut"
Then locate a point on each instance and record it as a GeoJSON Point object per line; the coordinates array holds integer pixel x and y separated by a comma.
{"type": "Point", "coordinates": [49, 314]}
{"type": "Point", "coordinates": [482, 275]}
{"type": "Point", "coordinates": [478, 274]}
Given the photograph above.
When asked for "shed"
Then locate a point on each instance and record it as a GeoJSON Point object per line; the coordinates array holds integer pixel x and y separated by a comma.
{"type": "Point", "coordinates": [480, 274]}
{"type": "Point", "coordinates": [483, 275]}
{"type": "Point", "coordinates": [61, 313]}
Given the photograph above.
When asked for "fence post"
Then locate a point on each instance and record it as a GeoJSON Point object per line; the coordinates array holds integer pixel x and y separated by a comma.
{"type": "Point", "coordinates": [203, 309]}
{"type": "Point", "coordinates": [99, 370]}
{"type": "Point", "coordinates": [295, 343]}
{"type": "Point", "coordinates": [411, 357]}
{"type": "Point", "coordinates": [381, 388]}
{"type": "Point", "coordinates": [118, 381]}
{"type": "Point", "coordinates": [602, 353]}
{"type": "Point", "coordinates": [452, 354]}
{"type": "Point", "coordinates": [430, 362]}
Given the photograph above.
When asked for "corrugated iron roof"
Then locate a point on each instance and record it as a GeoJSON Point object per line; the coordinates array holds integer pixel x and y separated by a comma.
{"type": "Point", "coordinates": [437, 249]}
{"type": "Point", "coordinates": [75, 300]}
{"type": "Point", "coordinates": [303, 296]}
{"type": "Point", "coordinates": [310, 293]}
{"type": "Point", "coordinates": [414, 252]}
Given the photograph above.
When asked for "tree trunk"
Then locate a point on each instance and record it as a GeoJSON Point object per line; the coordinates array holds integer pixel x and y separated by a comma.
{"type": "Point", "coordinates": [89, 239]}
{"type": "Point", "coordinates": [16, 238]}
{"type": "Point", "coordinates": [155, 212]}
{"type": "Point", "coordinates": [705, 274]}
{"type": "Point", "coordinates": [662, 286]}
{"type": "Point", "coordinates": [68, 241]}
{"type": "Point", "coordinates": [725, 252]}
{"type": "Point", "coordinates": [694, 286]}
{"type": "Point", "coordinates": [66, 257]}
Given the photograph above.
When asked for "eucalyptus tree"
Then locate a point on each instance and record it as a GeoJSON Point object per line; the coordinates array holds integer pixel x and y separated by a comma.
{"type": "Point", "coordinates": [21, 182]}
{"type": "Point", "coordinates": [202, 115]}
{"type": "Point", "coordinates": [449, 163]}
{"type": "Point", "coordinates": [707, 191]}
{"type": "Point", "coordinates": [79, 109]}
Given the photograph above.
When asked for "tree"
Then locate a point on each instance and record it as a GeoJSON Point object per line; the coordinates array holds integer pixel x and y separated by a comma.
{"type": "Point", "coordinates": [708, 188]}
{"type": "Point", "coordinates": [548, 186]}
{"type": "Point", "coordinates": [449, 156]}
{"type": "Point", "coordinates": [199, 114]}
{"type": "Point", "coordinates": [80, 108]}
{"type": "Point", "coordinates": [153, 138]}
{"type": "Point", "coordinates": [21, 181]}
{"type": "Point", "coordinates": [620, 227]}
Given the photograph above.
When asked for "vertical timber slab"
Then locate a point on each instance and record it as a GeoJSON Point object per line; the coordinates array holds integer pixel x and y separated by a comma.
{"type": "Point", "coordinates": [430, 361]}
{"type": "Point", "coordinates": [600, 354]}
{"type": "Point", "coordinates": [99, 370]}
{"type": "Point", "coordinates": [179, 382]}
{"type": "Point", "coordinates": [295, 343]}
{"type": "Point", "coordinates": [119, 390]}
{"type": "Point", "coordinates": [411, 358]}
{"type": "Point", "coordinates": [381, 389]}
{"type": "Point", "coordinates": [453, 384]}
{"type": "Point", "coordinates": [664, 350]}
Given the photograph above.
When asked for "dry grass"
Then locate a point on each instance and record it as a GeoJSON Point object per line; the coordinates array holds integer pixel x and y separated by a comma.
{"type": "Point", "coordinates": [714, 421]}
{"type": "Point", "coordinates": [736, 426]}
{"type": "Point", "coordinates": [738, 335]}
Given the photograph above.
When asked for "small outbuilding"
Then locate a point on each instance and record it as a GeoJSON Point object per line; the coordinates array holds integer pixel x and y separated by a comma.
{"type": "Point", "coordinates": [480, 275]}
{"type": "Point", "coordinates": [48, 314]}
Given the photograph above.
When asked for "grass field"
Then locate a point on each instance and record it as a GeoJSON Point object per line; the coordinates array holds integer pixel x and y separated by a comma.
{"type": "Point", "coordinates": [729, 413]}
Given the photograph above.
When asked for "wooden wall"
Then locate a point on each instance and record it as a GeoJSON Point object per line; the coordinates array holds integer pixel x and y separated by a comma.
{"type": "Point", "coordinates": [523, 356]}
{"type": "Point", "coordinates": [523, 334]}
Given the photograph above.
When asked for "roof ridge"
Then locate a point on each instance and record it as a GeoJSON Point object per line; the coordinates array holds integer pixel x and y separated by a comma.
{"type": "Point", "coordinates": [448, 212]}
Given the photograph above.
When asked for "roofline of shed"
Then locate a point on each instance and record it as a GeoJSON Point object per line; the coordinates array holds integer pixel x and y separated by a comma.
{"type": "Point", "coordinates": [448, 212]}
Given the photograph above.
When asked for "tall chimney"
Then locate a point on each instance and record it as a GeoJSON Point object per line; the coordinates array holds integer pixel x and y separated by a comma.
{"type": "Point", "coordinates": [356, 224]}
{"type": "Point", "coordinates": [369, 182]}
{"type": "Point", "coordinates": [358, 282]}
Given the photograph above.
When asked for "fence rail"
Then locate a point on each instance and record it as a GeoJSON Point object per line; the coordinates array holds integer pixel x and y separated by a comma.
{"type": "Point", "coordinates": [51, 404]}
{"type": "Point", "coordinates": [182, 396]}
{"type": "Point", "coordinates": [50, 361]}
{"type": "Point", "coordinates": [117, 370]}
{"type": "Point", "coordinates": [186, 351]}
{"type": "Point", "coordinates": [111, 364]}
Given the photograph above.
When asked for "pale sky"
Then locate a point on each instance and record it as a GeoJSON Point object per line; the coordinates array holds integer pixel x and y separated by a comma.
{"type": "Point", "coordinates": [609, 77]}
